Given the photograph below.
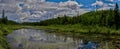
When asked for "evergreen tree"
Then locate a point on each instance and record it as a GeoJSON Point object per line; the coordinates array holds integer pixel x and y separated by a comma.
{"type": "Point", "coordinates": [103, 19]}
{"type": "Point", "coordinates": [4, 19]}
{"type": "Point", "coordinates": [117, 17]}
{"type": "Point", "coordinates": [111, 18]}
{"type": "Point", "coordinates": [3, 14]}
{"type": "Point", "coordinates": [65, 20]}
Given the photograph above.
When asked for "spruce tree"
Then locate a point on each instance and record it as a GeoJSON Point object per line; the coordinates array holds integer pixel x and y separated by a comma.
{"type": "Point", "coordinates": [116, 17]}
{"type": "Point", "coordinates": [4, 19]}
{"type": "Point", "coordinates": [3, 16]}
{"type": "Point", "coordinates": [103, 19]}
{"type": "Point", "coordinates": [65, 20]}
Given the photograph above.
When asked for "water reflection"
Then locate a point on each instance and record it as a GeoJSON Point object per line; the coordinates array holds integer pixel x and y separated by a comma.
{"type": "Point", "coordinates": [89, 45]}
{"type": "Point", "coordinates": [39, 39]}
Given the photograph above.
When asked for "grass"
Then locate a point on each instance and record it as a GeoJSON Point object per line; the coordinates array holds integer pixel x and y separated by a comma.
{"type": "Point", "coordinates": [78, 28]}
{"type": "Point", "coordinates": [5, 30]}
{"type": "Point", "coordinates": [88, 33]}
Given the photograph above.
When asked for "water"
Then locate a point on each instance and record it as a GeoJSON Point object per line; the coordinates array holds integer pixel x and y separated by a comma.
{"type": "Point", "coordinates": [40, 39]}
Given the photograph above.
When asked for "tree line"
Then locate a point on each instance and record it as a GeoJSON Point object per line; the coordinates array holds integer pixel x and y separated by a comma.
{"type": "Point", "coordinates": [4, 20]}
{"type": "Point", "coordinates": [107, 18]}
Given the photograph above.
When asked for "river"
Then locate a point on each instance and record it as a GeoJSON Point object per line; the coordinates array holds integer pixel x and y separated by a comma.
{"type": "Point", "coordinates": [41, 39]}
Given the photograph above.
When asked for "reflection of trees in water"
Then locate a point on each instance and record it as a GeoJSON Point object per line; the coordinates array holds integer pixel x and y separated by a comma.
{"type": "Point", "coordinates": [88, 45]}
{"type": "Point", "coordinates": [53, 41]}
{"type": "Point", "coordinates": [109, 45]}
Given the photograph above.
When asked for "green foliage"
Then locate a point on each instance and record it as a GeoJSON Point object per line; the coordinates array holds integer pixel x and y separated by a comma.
{"type": "Point", "coordinates": [117, 17]}
{"type": "Point", "coordinates": [3, 43]}
{"type": "Point", "coordinates": [101, 18]}
{"type": "Point", "coordinates": [4, 20]}
{"type": "Point", "coordinates": [109, 18]}
{"type": "Point", "coordinates": [3, 32]}
{"type": "Point", "coordinates": [5, 28]}
{"type": "Point", "coordinates": [82, 29]}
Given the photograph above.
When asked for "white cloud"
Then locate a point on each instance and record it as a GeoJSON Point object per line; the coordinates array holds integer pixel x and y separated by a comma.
{"type": "Point", "coordinates": [35, 10]}
{"type": "Point", "coordinates": [110, 0]}
{"type": "Point", "coordinates": [104, 8]}
{"type": "Point", "coordinates": [111, 5]}
{"type": "Point", "coordinates": [104, 5]}
{"type": "Point", "coordinates": [100, 3]}
{"type": "Point", "coordinates": [68, 3]}
{"type": "Point", "coordinates": [9, 8]}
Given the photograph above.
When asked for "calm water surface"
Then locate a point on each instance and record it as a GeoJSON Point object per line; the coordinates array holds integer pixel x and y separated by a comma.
{"type": "Point", "coordinates": [40, 39]}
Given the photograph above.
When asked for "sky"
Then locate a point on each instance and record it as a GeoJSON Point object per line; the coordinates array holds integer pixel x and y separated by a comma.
{"type": "Point", "coordinates": [38, 10]}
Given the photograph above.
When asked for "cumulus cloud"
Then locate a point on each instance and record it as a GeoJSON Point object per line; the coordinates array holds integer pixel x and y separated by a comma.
{"type": "Point", "coordinates": [100, 3]}
{"type": "Point", "coordinates": [26, 10]}
{"type": "Point", "coordinates": [104, 5]}
{"type": "Point", "coordinates": [111, 4]}
{"type": "Point", "coordinates": [37, 10]}
{"type": "Point", "coordinates": [110, 0]}
{"type": "Point", "coordinates": [68, 3]}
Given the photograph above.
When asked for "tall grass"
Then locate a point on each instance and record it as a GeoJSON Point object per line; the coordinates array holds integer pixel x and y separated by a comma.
{"type": "Point", "coordinates": [85, 29]}
{"type": "Point", "coordinates": [5, 30]}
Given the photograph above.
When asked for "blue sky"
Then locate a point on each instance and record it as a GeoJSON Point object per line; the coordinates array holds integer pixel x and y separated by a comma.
{"type": "Point", "coordinates": [86, 3]}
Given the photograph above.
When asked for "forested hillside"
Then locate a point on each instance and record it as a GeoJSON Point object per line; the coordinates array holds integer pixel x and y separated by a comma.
{"type": "Point", "coordinates": [109, 18]}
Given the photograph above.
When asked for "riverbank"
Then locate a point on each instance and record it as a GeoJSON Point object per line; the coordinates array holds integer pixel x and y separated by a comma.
{"type": "Point", "coordinates": [89, 33]}
{"type": "Point", "coordinates": [75, 30]}
{"type": "Point", "coordinates": [82, 29]}
{"type": "Point", "coordinates": [5, 30]}
{"type": "Point", "coordinates": [113, 43]}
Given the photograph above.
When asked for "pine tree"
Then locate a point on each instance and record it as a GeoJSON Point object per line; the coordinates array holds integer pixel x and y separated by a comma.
{"type": "Point", "coordinates": [3, 14]}
{"type": "Point", "coordinates": [65, 20]}
{"type": "Point", "coordinates": [117, 17]}
{"type": "Point", "coordinates": [4, 19]}
{"type": "Point", "coordinates": [103, 19]}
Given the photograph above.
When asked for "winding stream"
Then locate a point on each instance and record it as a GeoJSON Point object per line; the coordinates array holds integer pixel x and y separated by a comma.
{"type": "Point", "coordinates": [40, 39]}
